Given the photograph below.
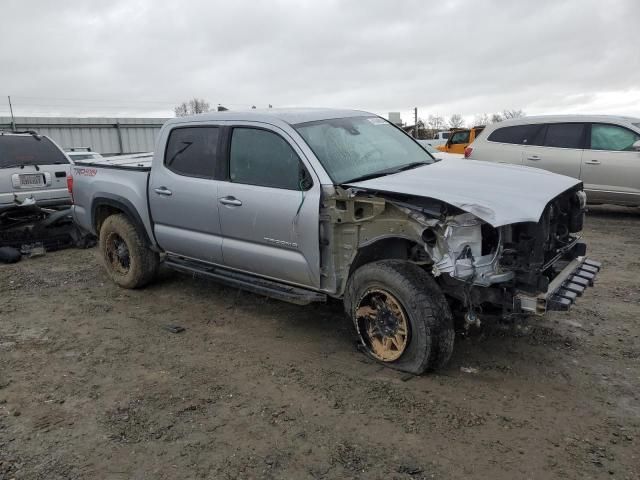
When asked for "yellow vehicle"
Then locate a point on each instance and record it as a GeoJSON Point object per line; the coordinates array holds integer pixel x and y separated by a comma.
{"type": "Point", "coordinates": [460, 138]}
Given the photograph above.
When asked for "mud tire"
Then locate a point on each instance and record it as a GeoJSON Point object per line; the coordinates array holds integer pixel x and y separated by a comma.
{"type": "Point", "coordinates": [142, 261]}
{"type": "Point", "coordinates": [431, 323]}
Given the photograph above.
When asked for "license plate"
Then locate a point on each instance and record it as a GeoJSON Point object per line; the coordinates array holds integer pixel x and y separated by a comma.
{"type": "Point", "coordinates": [34, 180]}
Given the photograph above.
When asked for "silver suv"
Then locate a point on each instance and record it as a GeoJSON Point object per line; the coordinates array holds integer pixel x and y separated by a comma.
{"type": "Point", "coordinates": [601, 150]}
{"type": "Point", "coordinates": [33, 169]}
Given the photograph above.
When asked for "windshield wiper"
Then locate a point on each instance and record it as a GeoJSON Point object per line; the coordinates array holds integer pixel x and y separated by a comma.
{"type": "Point", "coordinates": [409, 166]}
{"type": "Point", "coordinates": [388, 171]}
{"type": "Point", "coordinates": [21, 165]}
{"type": "Point", "coordinates": [368, 176]}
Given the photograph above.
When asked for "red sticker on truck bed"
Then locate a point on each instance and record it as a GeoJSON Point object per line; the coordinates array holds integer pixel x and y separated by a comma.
{"type": "Point", "coordinates": [86, 172]}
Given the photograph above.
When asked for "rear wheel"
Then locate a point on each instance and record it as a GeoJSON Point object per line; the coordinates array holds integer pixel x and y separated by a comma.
{"type": "Point", "coordinates": [401, 317]}
{"type": "Point", "coordinates": [127, 258]}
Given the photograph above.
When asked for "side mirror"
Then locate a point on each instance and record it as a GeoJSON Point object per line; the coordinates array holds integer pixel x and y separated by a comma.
{"type": "Point", "coordinates": [636, 146]}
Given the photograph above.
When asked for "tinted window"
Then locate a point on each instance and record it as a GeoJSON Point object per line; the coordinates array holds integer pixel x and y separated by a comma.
{"type": "Point", "coordinates": [519, 134]}
{"type": "Point", "coordinates": [460, 137]}
{"type": "Point", "coordinates": [260, 157]}
{"type": "Point", "coordinates": [29, 150]}
{"type": "Point", "coordinates": [192, 151]}
{"type": "Point", "coordinates": [445, 135]}
{"type": "Point", "coordinates": [564, 135]}
{"type": "Point", "coordinates": [612, 137]}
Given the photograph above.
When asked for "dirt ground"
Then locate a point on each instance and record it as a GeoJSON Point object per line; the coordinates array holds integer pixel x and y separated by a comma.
{"type": "Point", "coordinates": [93, 386]}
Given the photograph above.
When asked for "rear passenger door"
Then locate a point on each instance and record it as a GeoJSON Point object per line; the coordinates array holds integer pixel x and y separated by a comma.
{"type": "Point", "coordinates": [269, 207]}
{"type": "Point", "coordinates": [183, 194]}
{"type": "Point", "coordinates": [556, 147]}
{"type": "Point", "coordinates": [610, 166]}
{"type": "Point", "coordinates": [504, 144]}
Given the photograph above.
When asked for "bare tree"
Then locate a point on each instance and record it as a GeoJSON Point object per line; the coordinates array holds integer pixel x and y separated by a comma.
{"type": "Point", "coordinates": [435, 122]}
{"type": "Point", "coordinates": [496, 117]}
{"type": "Point", "coordinates": [456, 121]}
{"type": "Point", "coordinates": [181, 110]}
{"type": "Point", "coordinates": [193, 106]}
{"type": "Point", "coordinates": [482, 119]}
{"type": "Point", "coordinates": [507, 114]}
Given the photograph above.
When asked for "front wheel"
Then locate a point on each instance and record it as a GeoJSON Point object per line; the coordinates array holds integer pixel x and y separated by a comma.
{"type": "Point", "coordinates": [129, 261]}
{"type": "Point", "coordinates": [401, 317]}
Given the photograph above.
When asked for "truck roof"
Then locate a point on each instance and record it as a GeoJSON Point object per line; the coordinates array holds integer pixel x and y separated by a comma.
{"type": "Point", "coordinates": [291, 116]}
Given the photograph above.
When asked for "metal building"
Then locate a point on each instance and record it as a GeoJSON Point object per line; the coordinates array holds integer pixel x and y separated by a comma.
{"type": "Point", "coordinates": [109, 136]}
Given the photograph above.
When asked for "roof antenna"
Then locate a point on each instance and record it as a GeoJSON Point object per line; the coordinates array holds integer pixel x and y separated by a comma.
{"type": "Point", "coordinates": [13, 120]}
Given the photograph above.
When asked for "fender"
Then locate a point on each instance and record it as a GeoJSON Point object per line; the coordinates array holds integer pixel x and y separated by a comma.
{"type": "Point", "coordinates": [120, 203]}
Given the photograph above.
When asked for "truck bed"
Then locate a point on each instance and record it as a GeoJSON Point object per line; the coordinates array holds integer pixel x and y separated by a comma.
{"type": "Point", "coordinates": [121, 181]}
{"type": "Point", "coordinates": [137, 161]}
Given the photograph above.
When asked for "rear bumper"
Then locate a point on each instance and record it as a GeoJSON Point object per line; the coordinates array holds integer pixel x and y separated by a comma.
{"type": "Point", "coordinates": [564, 289]}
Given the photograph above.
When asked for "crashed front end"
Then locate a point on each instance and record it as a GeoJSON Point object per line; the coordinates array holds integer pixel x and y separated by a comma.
{"type": "Point", "coordinates": [513, 268]}
{"type": "Point", "coordinates": [523, 267]}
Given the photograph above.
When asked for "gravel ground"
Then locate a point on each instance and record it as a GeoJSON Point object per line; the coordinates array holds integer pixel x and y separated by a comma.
{"type": "Point", "coordinates": [93, 386]}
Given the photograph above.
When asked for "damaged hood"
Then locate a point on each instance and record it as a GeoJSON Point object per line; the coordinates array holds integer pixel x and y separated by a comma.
{"type": "Point", "coordinates": [498, 193]}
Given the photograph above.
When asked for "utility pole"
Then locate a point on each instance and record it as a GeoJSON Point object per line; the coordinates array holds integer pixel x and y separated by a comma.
{"type": "Point", "coordinates": [13, 120]}
{"type": "Point", "coordinates": [415, 115]}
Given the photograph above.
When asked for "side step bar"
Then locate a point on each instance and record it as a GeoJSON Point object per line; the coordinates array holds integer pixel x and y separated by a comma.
{"type": "Point", "coordinates": [261, 286]}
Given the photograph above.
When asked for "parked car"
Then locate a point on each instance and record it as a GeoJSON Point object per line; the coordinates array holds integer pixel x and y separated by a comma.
{"type": "Point", "coordinates": [601, 150]}
{"type": "Point", "coordinates": [439, 139]}
{"type": "Point", "coordinates": [437, 153]}
{"type": "Point", "coordinates": [33, 169]}
{"type": "Point", "coordinates": [307, 204]}
{"type": "Point", "coordinates": [460, 138]}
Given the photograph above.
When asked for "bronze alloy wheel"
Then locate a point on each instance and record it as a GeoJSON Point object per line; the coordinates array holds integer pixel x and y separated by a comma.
{"type": "Point", "coordinates": [117, 253]}
{"type": "Point", "coordinates": [382, 325]}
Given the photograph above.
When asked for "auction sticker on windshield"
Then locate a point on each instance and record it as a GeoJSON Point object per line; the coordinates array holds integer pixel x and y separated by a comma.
{"type": "Point", "coordinates": [377, 121]}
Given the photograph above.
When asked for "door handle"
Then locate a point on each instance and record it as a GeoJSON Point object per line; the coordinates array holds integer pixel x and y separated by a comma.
{"type": "Point", "coordinates": [163, 191]}
{"type": "Point", "coordinates": [592, 162]}
{"type": "Point", "coordinates": [230, 201]}
{"type": "Point", "coordinates": [533, 157]}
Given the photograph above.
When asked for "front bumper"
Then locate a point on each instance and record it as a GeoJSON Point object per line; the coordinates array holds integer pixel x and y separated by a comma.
{"type": "Point", "coordinates": [563, 290]}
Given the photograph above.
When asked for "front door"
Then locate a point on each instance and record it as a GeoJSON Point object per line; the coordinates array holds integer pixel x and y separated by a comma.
{"type": "Point", "coordinates": [458, 141]}
{"type": "Point", "coordinates": [269, 208]}
{"type": "Point", "coordinates": [183, 195]}
{"type": "Point", "coordinates": [610, 167]}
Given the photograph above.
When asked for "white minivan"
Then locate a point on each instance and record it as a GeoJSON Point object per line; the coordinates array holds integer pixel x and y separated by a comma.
{"type": "Point", "coordinates": [601, 150]}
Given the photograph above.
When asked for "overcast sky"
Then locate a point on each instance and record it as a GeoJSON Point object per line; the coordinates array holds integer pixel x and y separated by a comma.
{"type": "Point", "coordinates": [141, 58]}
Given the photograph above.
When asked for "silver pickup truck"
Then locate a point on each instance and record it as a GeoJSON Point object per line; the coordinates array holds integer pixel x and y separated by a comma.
{"type": "Point", "coordinates": [302, 205]}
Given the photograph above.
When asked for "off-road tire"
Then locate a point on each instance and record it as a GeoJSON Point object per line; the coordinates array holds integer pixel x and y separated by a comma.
{"type": "Point", "coordinates": [143, 262]}
{"type": "Point", "coordinates": [432, 334]}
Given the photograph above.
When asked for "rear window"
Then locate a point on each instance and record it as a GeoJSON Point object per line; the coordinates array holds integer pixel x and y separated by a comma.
{"type": "Point", "coordinates": [192, 151]}
{"type": "Point", "coordinates": [17, 150]}
{"type": "Point", "coordinates": [518, 134]}
{"type": "Point", "coordinates": [564, 135]}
